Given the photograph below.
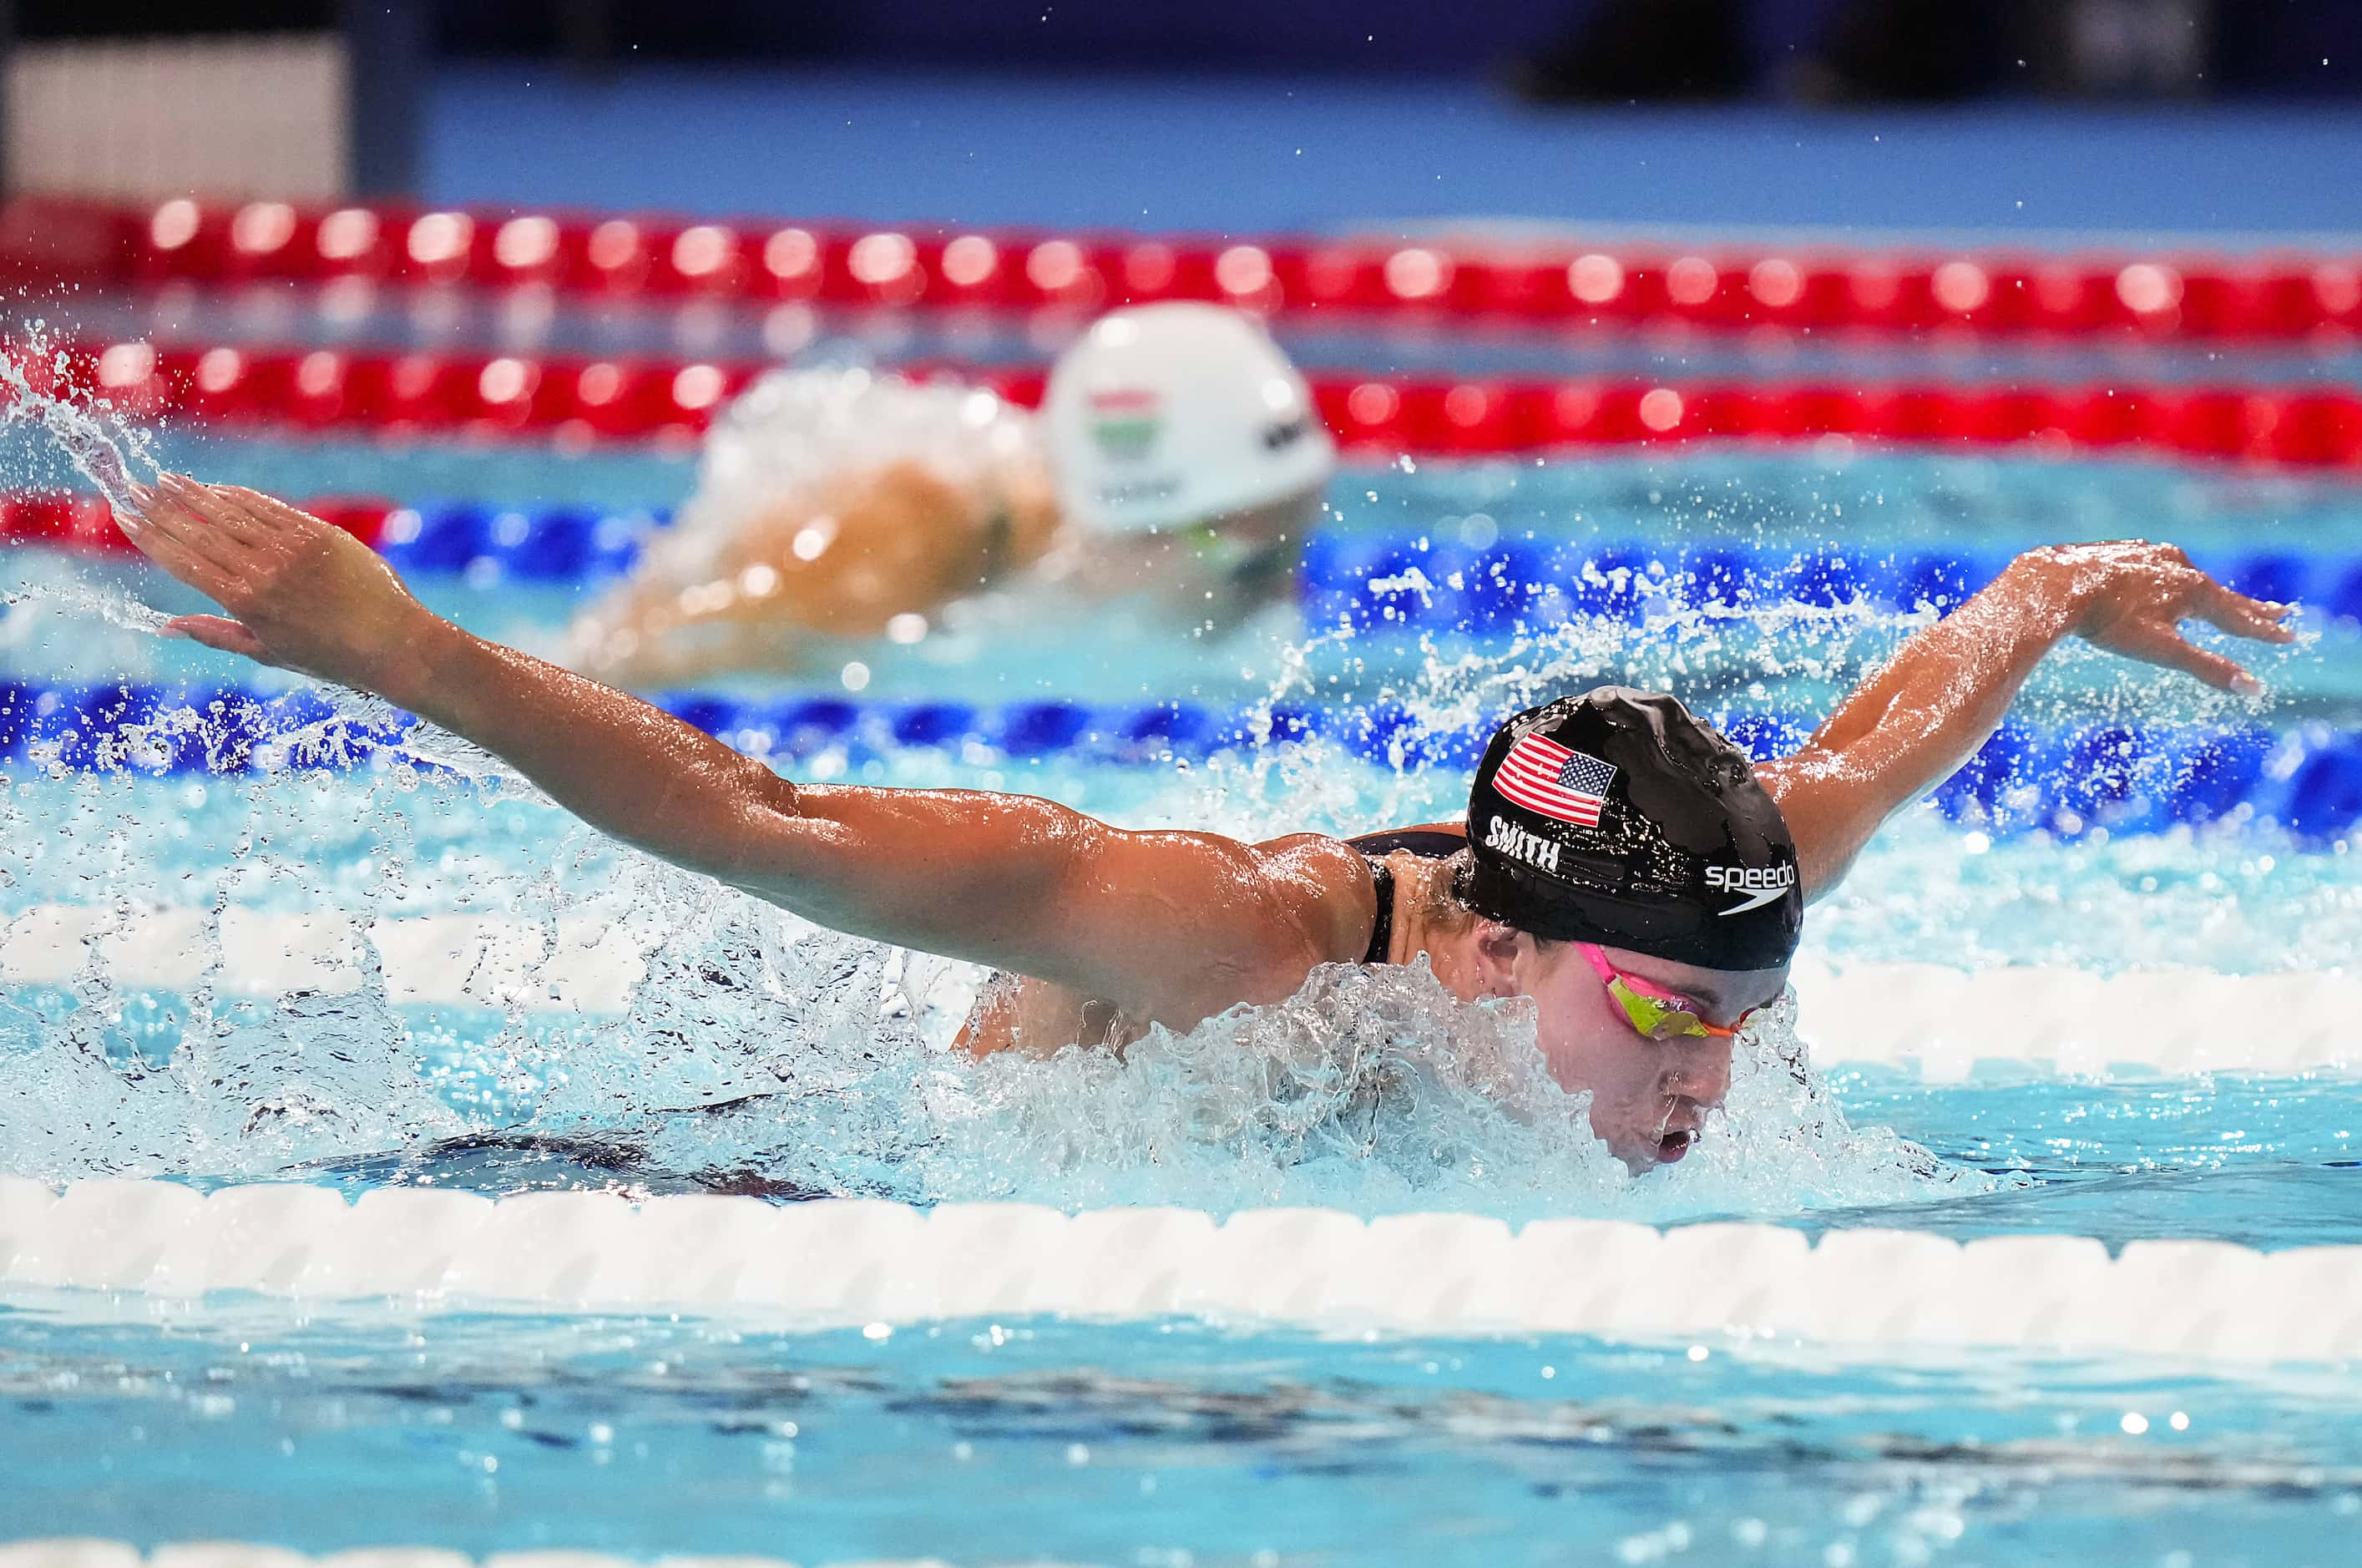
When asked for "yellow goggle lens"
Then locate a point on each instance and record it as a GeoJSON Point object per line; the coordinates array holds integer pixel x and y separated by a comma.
{"type": "Point", "coordinates": [1653, 1017]}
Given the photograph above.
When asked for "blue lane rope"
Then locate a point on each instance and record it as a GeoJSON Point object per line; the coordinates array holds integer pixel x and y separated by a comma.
{"type": "Point", "coordinates": [2124, 778]}
{"type": "Point", "coordinates": [1480, 588]}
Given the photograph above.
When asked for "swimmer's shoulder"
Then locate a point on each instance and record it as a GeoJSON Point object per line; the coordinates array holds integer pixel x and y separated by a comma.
{"type": "Point", "coordinates": [1318, 886]}
{"type": "Point", "coordinates": [1329, 880]}
{"type": "Point", "coordinates": [1429, 841]}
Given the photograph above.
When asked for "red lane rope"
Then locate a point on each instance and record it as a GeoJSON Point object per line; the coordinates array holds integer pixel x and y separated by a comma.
{"type": "Point", "coordinates": [80, 522]}
{"type": "Point", "coordinates": [2282, 296]}
{"type": "Point", "coordinates": [584, 401]}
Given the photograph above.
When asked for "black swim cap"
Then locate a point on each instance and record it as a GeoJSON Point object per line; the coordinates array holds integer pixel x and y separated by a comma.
{"type": "Point", "coordinates": [1620, 818]}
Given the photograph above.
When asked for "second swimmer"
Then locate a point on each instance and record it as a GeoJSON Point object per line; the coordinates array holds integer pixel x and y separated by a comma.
{"type": "Point", "coordinates": [1177, 451]}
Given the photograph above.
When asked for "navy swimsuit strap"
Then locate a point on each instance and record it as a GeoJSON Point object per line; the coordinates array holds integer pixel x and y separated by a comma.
{"type": "Point", "coordinates": [1382, 934]}
{"type": "Point", "coordinates": [1423, 841]}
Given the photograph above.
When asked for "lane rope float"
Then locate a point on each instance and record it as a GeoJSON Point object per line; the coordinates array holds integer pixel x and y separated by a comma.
{"type": "Point", "coordinates": [1410, 579]}
{"type": "Point", "coordinates": [2070, 782]}
{"type": "Point", "coordinates": [1414, 579]}
{"type": "Point", "coordinates": [2302, 425]}
{"type": "Point", "coordinates": [2290, 295]}
{"type": "Point", "coordinates": [851, 1262]}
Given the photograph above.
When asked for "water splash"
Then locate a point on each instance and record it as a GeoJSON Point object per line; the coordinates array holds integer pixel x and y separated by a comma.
{"type": "Point", "coordinates": [1375, 1090]}
{"type": "Point", "coordinates": [757, 1054]}
{"type": "Point", "coordinates": [754, 1051]}
{"type": "Point", "coordinates": [104, 448]}
{"type": "Point", "coordinates": [73, 598]}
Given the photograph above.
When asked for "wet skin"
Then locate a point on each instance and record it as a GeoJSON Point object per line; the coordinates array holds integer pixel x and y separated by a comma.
{"type": "Point", "coordinates": [1650, 1098]}
{"type": "Point", "coordinates": [1154, 927]}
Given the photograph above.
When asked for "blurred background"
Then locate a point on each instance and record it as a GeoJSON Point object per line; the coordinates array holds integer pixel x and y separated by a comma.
{"type": "Point", "coordinates": [1706, 346]}
{"type": "Point", "coordinates": [2161, 116]}
{"type": "Point", "coordinates": [1832, 302]}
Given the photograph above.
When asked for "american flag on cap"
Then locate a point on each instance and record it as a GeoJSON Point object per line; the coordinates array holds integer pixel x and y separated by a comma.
{"type": "Point", "coordinates": [1543, 776]}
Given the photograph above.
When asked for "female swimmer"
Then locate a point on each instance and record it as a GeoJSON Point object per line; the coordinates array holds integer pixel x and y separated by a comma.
{"type": "Point", "coordinates": [1620, 864]}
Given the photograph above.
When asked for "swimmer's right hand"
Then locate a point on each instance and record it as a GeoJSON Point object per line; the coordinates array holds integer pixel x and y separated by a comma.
{"type": "Point", "coordinates": [302, 593]}
{"type": "Point", "coordinates": [1171, 927]}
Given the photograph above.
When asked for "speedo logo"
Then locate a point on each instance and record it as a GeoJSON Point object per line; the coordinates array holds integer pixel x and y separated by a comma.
{"type": "Point", "coordinates": [1516, 842]}
{"type": "Point", "coordinates": [1761, 884]}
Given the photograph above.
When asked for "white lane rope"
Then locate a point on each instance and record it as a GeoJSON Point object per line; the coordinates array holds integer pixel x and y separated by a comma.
{"type": "Point", "coordinates": [843, 1263]}
{"type": "Point", "coordinates": [1942, 1021]}
{"type": "Point", "coordinates": [76, 1552]}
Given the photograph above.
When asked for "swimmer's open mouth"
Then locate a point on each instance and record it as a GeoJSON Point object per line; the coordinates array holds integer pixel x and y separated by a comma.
{"type": "Point", "coordinates": [1684, 1122]}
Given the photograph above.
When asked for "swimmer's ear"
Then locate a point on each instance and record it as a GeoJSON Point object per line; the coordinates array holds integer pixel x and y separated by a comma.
{"type": "Point", "coordinates": [1497, 950]}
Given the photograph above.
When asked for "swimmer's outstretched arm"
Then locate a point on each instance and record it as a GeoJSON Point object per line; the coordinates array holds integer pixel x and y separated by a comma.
{"type": "Point", "coordinates": [1171, 926]}
{"type": "Point", "coordinates": [1922, 714]}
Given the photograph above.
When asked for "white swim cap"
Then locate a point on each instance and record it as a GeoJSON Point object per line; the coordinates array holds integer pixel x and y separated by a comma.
{"type": "Point", "coordinates": [1167, 414]}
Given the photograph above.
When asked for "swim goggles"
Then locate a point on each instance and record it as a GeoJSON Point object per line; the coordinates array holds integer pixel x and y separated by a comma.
{"type": "Point", "coordinates": [1656, 1012]}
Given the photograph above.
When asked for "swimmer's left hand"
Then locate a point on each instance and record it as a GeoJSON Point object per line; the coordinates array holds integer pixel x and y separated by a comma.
{"type": "Point", "coordinates": [302, 593]}
{"type": "Point", "coordinates": [1928, 711]}
{"type": "Point", "coordinates": [2131, 597]}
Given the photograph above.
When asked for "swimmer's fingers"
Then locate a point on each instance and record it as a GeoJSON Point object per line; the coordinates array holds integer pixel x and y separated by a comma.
{"type": "Point", "coordinates": [268, 516]}
{"type": "Point", "coordinates": [162, 517]}
{"type": "Point", "coordinates": [171, 510]}
{"type": "Point", "coordinates": [160, 534]}
{"type": "Point", "coordinates": [2158, 644]}
{"type": "Point", "coordinates": [230, 518]}
{"type": "Point", "coordinates": [177, 559]}
{"type": "Point", "coordinates": [217, 632]}
{"type": "Point", "coordinates": [288, 532]}
{"type": "Point", "coordinates": [2235, 613]}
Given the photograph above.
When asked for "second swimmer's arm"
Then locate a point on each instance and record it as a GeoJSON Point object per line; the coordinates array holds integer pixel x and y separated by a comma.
{"type": "Point", "coordinates": [1927, 709]}
{"type": "Point", "coordinates": [1174, 926]}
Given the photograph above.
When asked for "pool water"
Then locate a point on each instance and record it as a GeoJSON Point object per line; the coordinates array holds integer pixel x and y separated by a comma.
{"type": "Point", "coordinates": [1179, 1440]}
{"type": "Point", "coordinates": [1170, 1443]}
